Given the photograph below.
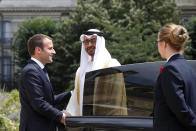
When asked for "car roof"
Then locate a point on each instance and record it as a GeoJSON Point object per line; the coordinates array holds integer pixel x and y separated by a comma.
{"type": "Point", "coordinates": [145, 73]}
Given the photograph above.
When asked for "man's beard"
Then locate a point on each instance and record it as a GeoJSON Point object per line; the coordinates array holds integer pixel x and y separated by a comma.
{"type": "Point", "coordinates": [91, 53]}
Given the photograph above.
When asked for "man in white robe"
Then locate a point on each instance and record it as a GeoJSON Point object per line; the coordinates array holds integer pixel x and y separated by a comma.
{"type": "Point", "coordinates": [94, 56]}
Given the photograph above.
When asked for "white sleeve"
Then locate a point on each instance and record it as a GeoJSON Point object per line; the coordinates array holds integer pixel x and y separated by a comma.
{"type": "Point", "coordinates": [73, 107]}
{"type": "Point", "coordinates": [114, 62]}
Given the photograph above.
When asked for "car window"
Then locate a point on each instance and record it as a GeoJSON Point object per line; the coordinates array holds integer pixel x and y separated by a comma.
{"type": "Point", "coordinates": [110, 95]}
{"type": "Point", "coordinates": [120, 91]}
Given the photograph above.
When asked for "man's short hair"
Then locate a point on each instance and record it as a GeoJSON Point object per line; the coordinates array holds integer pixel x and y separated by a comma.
{"type": "Point", "coordinates": [36, 41]}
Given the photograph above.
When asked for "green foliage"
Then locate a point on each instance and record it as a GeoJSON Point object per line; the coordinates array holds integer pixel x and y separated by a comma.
{"type": "Point", "coordinates": [10, 110]}
{"type": "Point", "coordinates": [191, 27]}
{"type": "Point", "coordinates": [27, 29]}
{"type": "Point", "coordinates": [129, 27]}
{"type": "Point", "coordinates": [6, 124]}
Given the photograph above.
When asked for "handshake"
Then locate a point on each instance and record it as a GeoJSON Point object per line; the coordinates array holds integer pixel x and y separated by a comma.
{"type": "Point", "coordinates": [65, 114]}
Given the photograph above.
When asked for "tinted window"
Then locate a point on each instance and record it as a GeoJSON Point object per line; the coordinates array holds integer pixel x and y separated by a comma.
{"type": "Point", "coordinates": [109, 95]}
{"type": "Point", "coordinates": [124, 90]}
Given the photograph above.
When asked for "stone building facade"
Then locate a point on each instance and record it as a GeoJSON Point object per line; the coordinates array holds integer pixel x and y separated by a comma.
{"type": "Point", "coordinates": [188, 8]}
{"type": "Point", "coordinates": [13, 12]}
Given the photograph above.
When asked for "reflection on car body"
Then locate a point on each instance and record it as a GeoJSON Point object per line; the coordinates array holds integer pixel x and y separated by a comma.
{"type": "Point", "coordinates": [109, 90]}
{"type": "Point", "coordinates": [120, 103]}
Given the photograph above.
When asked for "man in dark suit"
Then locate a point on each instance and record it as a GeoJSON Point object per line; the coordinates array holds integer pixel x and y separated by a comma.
{"type": "Point", "coordinates": [38, 103]}
{"type": "Point", "coordinates": [175, 91]}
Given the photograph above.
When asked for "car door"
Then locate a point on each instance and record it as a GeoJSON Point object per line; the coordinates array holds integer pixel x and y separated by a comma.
{"type": "Point", "coordinates": [119, 98]}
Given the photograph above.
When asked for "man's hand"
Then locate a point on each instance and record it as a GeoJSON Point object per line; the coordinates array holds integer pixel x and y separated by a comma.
{"type": "Point", "coordinates": [63, 119]}
{"type": "Point", "coordinates": [65, 114]}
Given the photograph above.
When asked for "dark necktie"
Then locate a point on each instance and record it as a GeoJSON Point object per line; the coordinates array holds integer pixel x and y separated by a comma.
{"type": "Point", "coordinates": [46, 73]}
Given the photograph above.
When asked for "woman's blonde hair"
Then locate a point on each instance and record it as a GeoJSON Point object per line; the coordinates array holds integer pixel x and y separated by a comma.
{"type": "Point", "coordinates": [175, 35]}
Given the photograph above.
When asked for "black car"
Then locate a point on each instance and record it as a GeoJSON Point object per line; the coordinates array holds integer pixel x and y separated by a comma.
{"type": "Point", "coordinates": [119, 98]}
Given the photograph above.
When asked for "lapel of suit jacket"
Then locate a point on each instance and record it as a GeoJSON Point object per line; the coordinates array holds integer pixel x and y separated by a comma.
{"type": "Point", "coordinates": [174, 57]}
{"type": "Point", "coordinates": [41, 73]}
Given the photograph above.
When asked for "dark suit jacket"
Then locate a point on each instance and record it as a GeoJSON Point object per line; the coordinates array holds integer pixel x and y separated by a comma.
{"type": "Point", "coordinates": [38, 103]}
{"type": "Point", "coordinates": [175, 97]}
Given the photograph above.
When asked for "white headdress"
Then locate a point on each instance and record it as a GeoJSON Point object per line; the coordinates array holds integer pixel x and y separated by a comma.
{"type": "Point", "coordinates": [101, 56]}
{"type": "Point", "coordinates": [101, 53]}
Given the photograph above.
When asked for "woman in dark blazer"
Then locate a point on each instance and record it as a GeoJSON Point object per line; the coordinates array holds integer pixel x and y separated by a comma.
{"type": "Point", "coordinates": [175, 91]}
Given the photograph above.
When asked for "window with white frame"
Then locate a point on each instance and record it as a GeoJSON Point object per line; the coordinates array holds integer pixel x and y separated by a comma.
{"type": "Point", "coordinates": [7, 32]}
{"type": "Point", "coordinates": [5, 69]}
